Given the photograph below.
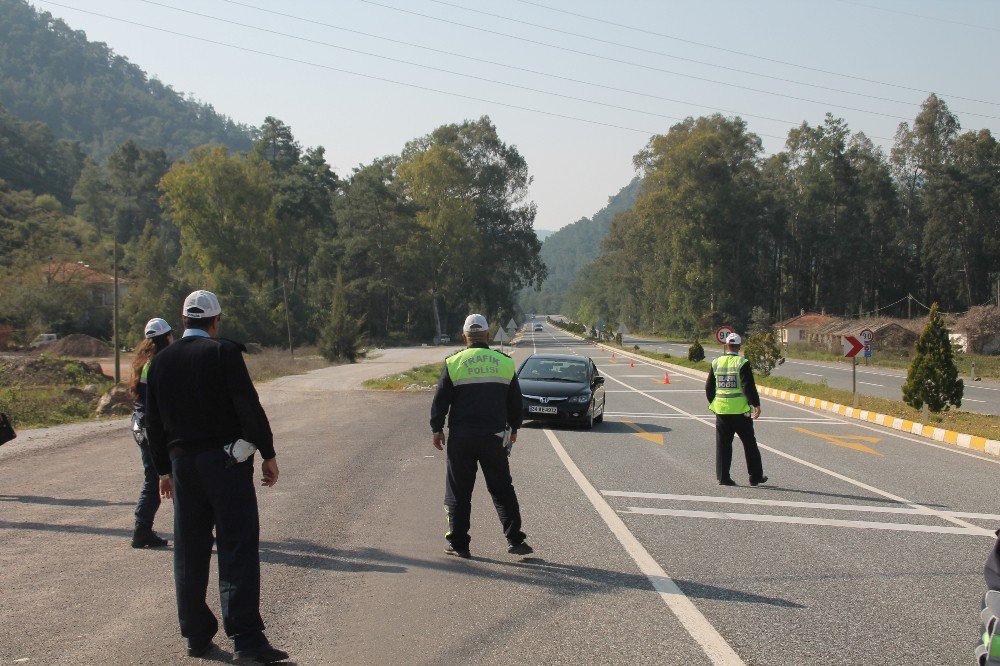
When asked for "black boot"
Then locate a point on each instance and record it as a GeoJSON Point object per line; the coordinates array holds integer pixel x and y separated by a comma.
{"type": "Point", "coordinates": [145, 537]}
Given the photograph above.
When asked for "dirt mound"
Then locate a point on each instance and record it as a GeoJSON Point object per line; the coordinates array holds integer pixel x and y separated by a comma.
{"type": "Point", "coordinates": [45, 371]}
{"type": "Point", "coordinates": [78, 345]}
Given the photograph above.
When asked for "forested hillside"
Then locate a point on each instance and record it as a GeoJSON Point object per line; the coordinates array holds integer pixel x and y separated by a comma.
{"type": "Point", "coordinates": [85, 92]}
{"type": "Point", "coordinates": [830, 223]}
{"type": "Point", "coordinates": [566, 251]}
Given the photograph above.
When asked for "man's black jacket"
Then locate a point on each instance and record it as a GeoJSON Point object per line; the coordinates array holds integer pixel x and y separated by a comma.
{"type": "Point", "coordinates": [480, 409]}
{"type": "Point", "coordinates": [199, 396]}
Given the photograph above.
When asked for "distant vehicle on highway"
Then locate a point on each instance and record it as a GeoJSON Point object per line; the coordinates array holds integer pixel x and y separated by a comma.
{"type": "Point", "coordinates": [442, 339]}
{"type": "Point", "coordinates": [538, 327]}
{"type": "Point", "coordinates": [43, 339]}
{"type": "Point", "coordinates": [562, 387]}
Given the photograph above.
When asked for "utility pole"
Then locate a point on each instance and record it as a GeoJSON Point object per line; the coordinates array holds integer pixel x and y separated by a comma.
{"type": "Point", "coordinates": [909, 299]}
{"type": "Point", "coordinates": [288, 320]}
{"type": "Point", "coordinates": [114, 314]}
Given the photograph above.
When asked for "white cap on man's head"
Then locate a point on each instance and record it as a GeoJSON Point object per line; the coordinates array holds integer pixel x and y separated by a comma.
{"type": "Point", "coordinates": [734, 339]}
{"type": "Point", "coordinates": [201, 305]}
{"type": "Point", "coordinates": [474, 323]}
{"type": "Point", "coordinates": [156, 327]}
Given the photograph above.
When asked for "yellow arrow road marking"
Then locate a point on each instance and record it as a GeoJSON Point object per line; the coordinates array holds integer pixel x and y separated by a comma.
{"type": "Point", "coordinates": [656, 438]}
{"type": "Point", "coordinates": [845, 440]}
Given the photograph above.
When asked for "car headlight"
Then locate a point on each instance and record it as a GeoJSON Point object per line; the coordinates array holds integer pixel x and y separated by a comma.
{"type": "Point", "coordinates": [584, 397]}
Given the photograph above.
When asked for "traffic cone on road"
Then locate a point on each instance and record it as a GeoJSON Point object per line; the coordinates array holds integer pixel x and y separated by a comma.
{"type": "Point", "coordinates": [612, 355]}
{"type": "Point", "coordinates": [631, 364]}
{"type": "Point", "coordinates": [666, 377]}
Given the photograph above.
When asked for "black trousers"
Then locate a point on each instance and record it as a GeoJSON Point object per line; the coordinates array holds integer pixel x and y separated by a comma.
{"type": "Point", "coordinates": [149, 494]}
{"type": "Point", "coordinates": [727, 425]}
{"type": "Point", "coordinates": [207, 494]}
{"type": "Point", "coordinates": [464, 454]}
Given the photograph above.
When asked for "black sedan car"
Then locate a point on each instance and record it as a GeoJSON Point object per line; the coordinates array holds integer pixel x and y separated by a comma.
{"type": "Point", "coordinates": [562, 387]}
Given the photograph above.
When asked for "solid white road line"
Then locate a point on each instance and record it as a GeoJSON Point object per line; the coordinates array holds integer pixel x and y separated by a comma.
{"type": "Point", "coordinates": [885, 432]}
{"type": "Point", "coordinates": [801, 520]}
{"type": "Point", "coordinates": [860, 484]}
{"type": "Point", "coordinates": [697, 626]}
{"type": "Point", "coordinates": [867, 508]}
{"type": "Point", "coordinates": [655, 390]}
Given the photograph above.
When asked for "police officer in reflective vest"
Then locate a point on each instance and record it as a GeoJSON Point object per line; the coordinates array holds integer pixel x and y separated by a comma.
{"type": "Point", "coordinates": [479, 393]}
{"type": "Point", "coordinates": [731, 394]}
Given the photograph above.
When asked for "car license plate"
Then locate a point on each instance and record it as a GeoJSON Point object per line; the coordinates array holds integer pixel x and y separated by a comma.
{"type": "Point", "coordinates": [538, 409]}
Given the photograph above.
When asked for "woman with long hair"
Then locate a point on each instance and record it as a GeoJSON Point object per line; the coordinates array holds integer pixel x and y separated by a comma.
{"type": "Point", "coordinates": [157, 336]}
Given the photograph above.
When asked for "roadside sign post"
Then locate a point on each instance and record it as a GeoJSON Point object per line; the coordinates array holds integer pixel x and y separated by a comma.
{"type": "Point", "coordinates": [852, 346]}
{"type": "Point", "coordinates": [722, 332]}
{"type": "Point", "coordinates": [501, 337]}
{"type": "Point", "coordinates": [867, 336]}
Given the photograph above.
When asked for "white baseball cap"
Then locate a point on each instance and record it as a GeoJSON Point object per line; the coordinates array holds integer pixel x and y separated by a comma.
{"type": "Point", "coordinates": [156, 326]}
{"type": "Point", "coordinates": [201, 305]}
{"type": "Point", "coordinates": [734, 339]}
{"type": "Point", "coordinates": [475, 322]}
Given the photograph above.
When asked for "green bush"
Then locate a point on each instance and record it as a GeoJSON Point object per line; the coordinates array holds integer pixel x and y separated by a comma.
{"type": "Point", "coordinates": [761, 349]}
{"type": "Point", "coordinates": [932, 379]}
{"type": "Point", "coordinates": [696, 352]}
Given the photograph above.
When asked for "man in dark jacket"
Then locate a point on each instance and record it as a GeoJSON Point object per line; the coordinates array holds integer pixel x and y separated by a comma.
{"type": "Point", "coordinates": [200, 399]}
{"type": "Point", "coordinates": [479, 394]}
{"type": "Point", "coordinates": [732, 395]}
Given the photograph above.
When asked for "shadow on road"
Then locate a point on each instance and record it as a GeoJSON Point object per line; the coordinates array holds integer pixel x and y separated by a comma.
{"type": "Point", "coordinates": [558, 578]}
{"type": "Point", "coordinates": [61, 501]}
{"type": "Point", "coordinates": [884, 500]}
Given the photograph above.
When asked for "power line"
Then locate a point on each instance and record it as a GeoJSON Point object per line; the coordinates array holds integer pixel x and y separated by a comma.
{"type": "Point", "coordinates": [415, 64]}
{"type": "Point", "coordinates": [639, 64]}
{"type": "Point", "coordinates": [509, 66]}
{"type": "Point", "coordinates": [920, 16]}
{"type": "Point", "coordinates": [753, 55]}
{"type": "Point", "coordinates": [670, 55]}
{"type": "Point", "coordinates": [350, 72]}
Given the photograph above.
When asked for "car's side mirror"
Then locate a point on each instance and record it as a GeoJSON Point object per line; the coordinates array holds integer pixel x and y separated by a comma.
{"type": "Point", "coordinates": [598, 381]}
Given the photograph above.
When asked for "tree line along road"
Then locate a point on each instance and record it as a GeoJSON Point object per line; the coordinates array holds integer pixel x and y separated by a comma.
{"type": "Point", "coordinates": [866, 546]}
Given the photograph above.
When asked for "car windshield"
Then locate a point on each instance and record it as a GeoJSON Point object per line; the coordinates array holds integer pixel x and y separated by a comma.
{"type": "Point", "coordinates": [554, 370]}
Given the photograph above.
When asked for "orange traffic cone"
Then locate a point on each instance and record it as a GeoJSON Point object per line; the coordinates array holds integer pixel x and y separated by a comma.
{"type": "Point", "coordinates": [632, 364]}
{"type": "Point", "coordinates": [612, 355]}
{"type": "Point", "coordinates": [666, 377]}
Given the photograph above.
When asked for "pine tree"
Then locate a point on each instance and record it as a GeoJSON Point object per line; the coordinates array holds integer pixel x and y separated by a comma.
{"type": "Point", "coordinates": [933, 377]}
{"type": "Point", "coordinates": [696, 352]}
{"type": "Point", "coordinates": [341, 337]}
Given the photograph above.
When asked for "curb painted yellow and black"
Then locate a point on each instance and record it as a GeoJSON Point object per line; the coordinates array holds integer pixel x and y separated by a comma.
{"type": "Point", "coordinates": [960, 439]}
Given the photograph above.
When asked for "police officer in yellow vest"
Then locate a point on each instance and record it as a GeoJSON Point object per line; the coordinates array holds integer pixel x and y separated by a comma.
{"type": "Point", "coordinates": [731, 394]}
{"type": "Point", "coordinates": [479, 393]}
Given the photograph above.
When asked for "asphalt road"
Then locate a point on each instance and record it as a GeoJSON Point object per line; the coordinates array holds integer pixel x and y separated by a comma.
{"type": "Point", "coordinates": [866, 547]}
{"type": "Point", "coordinates": [982, 396]}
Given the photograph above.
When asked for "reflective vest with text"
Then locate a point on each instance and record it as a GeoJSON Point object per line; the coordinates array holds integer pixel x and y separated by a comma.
{"type": "Point", "coordinates": [729, 396]}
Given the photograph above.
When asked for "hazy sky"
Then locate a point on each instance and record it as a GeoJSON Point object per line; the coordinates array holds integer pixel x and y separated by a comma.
{"type": "Point", "coordinates": [633, 54]}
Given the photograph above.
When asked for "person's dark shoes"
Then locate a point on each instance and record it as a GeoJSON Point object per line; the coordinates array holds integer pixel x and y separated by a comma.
{"type": "Point", "coordinates": [145, 537]}
{"type": "Point", "coordinates": [200, 648]}
{"type": "Point", "coordinates": [757, 482]}
{"type": "Point", "coordinates": [520, 548]}
{"type": "Point", "coordinates": [265, 654]}
{"type": "Point", "coordinates": [727, 482]}
{"type": "Point", "coordinates": [458, 552]}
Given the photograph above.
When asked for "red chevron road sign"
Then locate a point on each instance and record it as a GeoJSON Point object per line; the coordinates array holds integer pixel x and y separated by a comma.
{"type": "Point", "coordinates": [852, 346]}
